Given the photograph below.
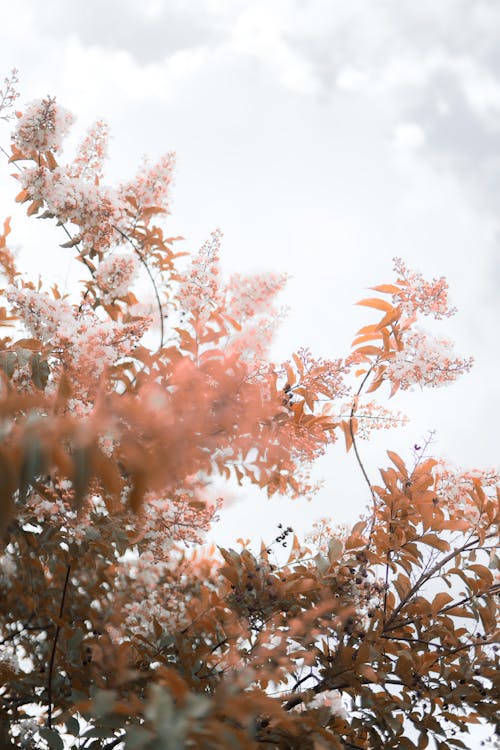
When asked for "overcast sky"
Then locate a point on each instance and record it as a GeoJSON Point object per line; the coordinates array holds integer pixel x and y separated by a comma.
{"type": "Point", "coordinates": [324, 137]}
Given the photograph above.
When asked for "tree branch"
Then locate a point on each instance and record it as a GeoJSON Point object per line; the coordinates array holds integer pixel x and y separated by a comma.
{"type": "Point", "coordinates": [426, 576]}
{"type": "Point", "coordinates": [354, 444]}
{"type": "Point", "coordinates": [157, 295]}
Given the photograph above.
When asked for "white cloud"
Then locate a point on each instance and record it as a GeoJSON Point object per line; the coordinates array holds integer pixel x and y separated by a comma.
{"type": "Point", "coordinates": [286, 116]}
{"type": "Point", "coordinates": [257, 33]}
{"type": "Point", "coordinates": [409, 136]}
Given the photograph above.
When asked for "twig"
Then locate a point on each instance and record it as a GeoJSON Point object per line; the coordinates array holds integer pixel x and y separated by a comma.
{"type": "Point", "coordinates": [54, 646]}
{"type": "Point", "coordinates": [157, 295]}
{"type": "Point", "coordinates": [428, 575]}
{"type": "Point", "coordinates": [354, 444]}
{"type": "Point", "coordinates": [25, 629]}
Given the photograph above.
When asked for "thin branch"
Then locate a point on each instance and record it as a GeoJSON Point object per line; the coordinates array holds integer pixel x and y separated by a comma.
{"type": "Point", "coordinates": [330, 684]}
{"type": "Point", "coordinates": [20, 630]}
{"type": "Point", "coordinates": [82, 256]}
{"type": "Point", "coordinates": [8, 157]}
{"type": "Point", "coordinates": [25, 629]}
{"type": "Point", "coordinates": [306, 677]}
{"type": "Point", "coordinates": [157, 295]}
{"type": "Point", "coordinates": [354, 444]}
{"type": "Point", "coordinates": [427, 576]}
{"type": "Point", "coordinates": [54, 646]}
{"type": "Point", "coordinates": [495, 589]}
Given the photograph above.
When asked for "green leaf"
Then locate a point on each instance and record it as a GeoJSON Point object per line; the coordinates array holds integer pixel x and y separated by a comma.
{"type": "Point", "coordinates": [40, 371]}
{"type": "Point", "coordinates": [32, 465]}
{"type": "Point", "coordinates": [52, 738]}
{"type": "Point", "coordinates": [81, 472]}
{"type": "Point", "coordinates": [321, 563]}
{"type": "Point", "coordinates": [335, 549]}
{"type": "Point", "coordinates": [137, 738]}
{"type": "Point", "coordinates": [73, 726]}
{"type": "Point", "coordinates": [103, 702]}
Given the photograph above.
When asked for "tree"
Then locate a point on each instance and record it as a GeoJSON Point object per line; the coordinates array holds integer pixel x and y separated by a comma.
{"type": "Point", "coordinates": [118, 628]}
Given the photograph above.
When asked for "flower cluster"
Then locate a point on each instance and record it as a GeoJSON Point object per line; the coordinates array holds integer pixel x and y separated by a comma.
{"type": "Point", "coordinates": [153, 599]}
{"type": "Point", "coordinates": [9, 657]}
{"type": "Point", "coordinates": [92, 152]}
{"type": "Point", "coordinates": [425, 361]}
{"type": "Point", "coordinates": [115, 275]}
{"type": "Point", "coordinates": [95, 210]}
{"type": "Point", "coordinates": [151, 186]}
{"type": "Point", "coordinates": [8, 95]}
{"type": "Point", "coordinates": [324, 376]}
{"type": "Point", "coordinates": [84, 344]}
{"type": "Point", "coordinates": [43, 316]}
{"type": "Point", "coordinates": [330, 699]}
{"type": "Point", "coordinates": [182, 518]}
{"type": "Point", "coordinates": [453, 486]}
{"type": "Point", "coordinates": [42, 126]}
{"type": "Point", "coordinates": [253, 342]}
{"type": "Point", "coordinates": [199, 291]}
{"type": "Point", "coordinates": [248, 295]}
{"type": "Point", "coordinates": [97, 345]}
{"type": "Point", "coordinates": [323, 531]}
{"type": "Point", "coordinates": [416, 295]}
{"type": "Point", "coordinates": [373, 416]}
{"type": "Point", "coordinates": [72, 193]}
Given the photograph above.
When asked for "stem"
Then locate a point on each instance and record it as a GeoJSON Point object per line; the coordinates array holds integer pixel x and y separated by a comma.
{"type": "Point", "coordinates": [351, 430]}
{"type": "Point", "coordinates": [8, 157]}
{"type": "Point", "coordinates": [388, 562]}
{"type": "Point", "coordinates": [157, 295]}
{"type": "Point", "coordinates": [54, 646]}
{"type": "Point", "coordinates": [425, 577]}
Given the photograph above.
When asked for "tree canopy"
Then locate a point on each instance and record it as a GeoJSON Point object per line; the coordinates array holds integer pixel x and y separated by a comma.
{"type": "Point", "coordinates": [121, 400]}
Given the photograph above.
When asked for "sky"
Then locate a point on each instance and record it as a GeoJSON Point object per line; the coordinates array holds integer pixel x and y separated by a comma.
{"type": "Point", "coordinates": [324, 137]}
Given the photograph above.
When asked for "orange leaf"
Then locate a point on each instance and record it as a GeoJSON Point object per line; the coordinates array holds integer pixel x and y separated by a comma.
{"type": "Point", "coordinates": [434, 541]}
{"type": "Point", "coordinates": [347, 435]}
{"type": "Point", "coordinates": [440, 601]}
{"type": "Point", "coordinates": [386, 289]}
{"type": "Point", "coordinates": [398, 461]}
{"type": "Point", "coordinates": [368, 672]}
{"type": "Point", "coordinates": [378, 304]}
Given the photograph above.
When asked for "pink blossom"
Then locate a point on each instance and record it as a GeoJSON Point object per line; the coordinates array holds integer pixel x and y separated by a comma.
{"type": "Point", "coordinates": [84, 344]}
{"type": "Point", "coordinates": [8, 95]}
{"type": "Point", "coordinates": [253, 342]}
{"type": "Point", "coordinates": [453, 485]}
{"type": "Point", "coordinates": [151, 186]}
{"type": "Point", "coordinates": [247, 295]}
{"type": "Point", "coordinates": [425, 360]}
{"type": "Point", "coordinates": [43, 126]}
{"type": "Point", "coordinates": [115, 274]}
{"type": "Point", "coordinates": [373, 416]}
{"type": "Point", "coordinates": [417, 295]}
{"type": "Point", "coordinates": [43, 316]}
{"type": "Point", "coordinates": [330, 699]}
{"type": "Point", "coordinates": [95, 210]}
{"type": "Point", "coordinates": [199, 290]}
{"type": "Point", "coordinates": [92, 151]}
